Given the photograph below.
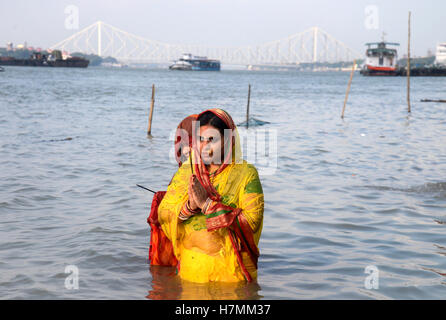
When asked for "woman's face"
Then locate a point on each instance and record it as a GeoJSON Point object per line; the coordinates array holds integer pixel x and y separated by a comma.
{"type": "Point", "coordinates": [211, 145]}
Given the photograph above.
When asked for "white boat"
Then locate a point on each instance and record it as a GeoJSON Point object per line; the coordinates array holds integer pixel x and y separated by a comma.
{"type": "Point", "coordinates": [181, 65]}
{"type": "Point", "coordinates": [440, 55]}
{"type": "Point", "coordinates": [190, 62]}
{"type": "Point", "coordinates": [380, 60]}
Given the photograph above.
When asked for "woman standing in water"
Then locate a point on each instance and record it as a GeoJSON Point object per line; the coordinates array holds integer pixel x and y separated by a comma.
{"type": "Point", "coordinates": [214, 216]}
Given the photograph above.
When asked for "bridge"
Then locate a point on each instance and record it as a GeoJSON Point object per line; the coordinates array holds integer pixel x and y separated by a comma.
{"type": "Point", "coordinates": [310, 46]}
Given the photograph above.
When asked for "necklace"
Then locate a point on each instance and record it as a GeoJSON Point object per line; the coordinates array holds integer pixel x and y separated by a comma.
{"type": "Point", "coordinates": [213, 173]}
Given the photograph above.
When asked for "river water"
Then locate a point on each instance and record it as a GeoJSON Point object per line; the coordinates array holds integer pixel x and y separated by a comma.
{"type": "Point", "coordinates": [347, 197]}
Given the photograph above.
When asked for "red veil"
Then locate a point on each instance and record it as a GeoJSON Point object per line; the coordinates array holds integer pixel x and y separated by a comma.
{"type": "Point", "coordinates": [219, 215]}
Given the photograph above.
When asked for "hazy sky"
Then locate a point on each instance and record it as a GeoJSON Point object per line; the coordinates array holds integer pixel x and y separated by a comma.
{"type": "Point", "coordinates": [230, 22]}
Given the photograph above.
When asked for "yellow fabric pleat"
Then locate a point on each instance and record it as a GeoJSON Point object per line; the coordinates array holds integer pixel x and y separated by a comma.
{"type": "Point", "coordinates": [209, 256]}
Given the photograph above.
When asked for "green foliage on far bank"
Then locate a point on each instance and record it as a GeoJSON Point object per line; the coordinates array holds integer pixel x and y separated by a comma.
{"type": "Point", "coordinates": [334, 65]}
{"type": "Point", "coordinates": [94, 59]}
{"type": "Point", "coordinates": [417, 62]}
{"type": "Point", "coordinates": [18, 53]}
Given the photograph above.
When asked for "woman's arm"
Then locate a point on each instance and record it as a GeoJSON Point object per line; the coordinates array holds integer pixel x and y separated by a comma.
{"type": "Point", "coordinates": [173, 201]}
{"type": "Point", "coordinates": [251, 205]}
{"type": "Point", "coordinates": [252, 200]}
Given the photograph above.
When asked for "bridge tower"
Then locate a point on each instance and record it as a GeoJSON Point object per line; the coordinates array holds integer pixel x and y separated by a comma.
{"type": "Point", "coordinates": [310, 46]}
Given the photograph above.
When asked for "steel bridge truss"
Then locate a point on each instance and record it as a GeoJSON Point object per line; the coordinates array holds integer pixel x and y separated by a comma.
{"type": "Point", "coordinates": [311, 46]}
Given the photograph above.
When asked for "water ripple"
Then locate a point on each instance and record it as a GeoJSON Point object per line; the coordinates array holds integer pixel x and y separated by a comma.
{"type": "Point", "coordinates": [346, 194]}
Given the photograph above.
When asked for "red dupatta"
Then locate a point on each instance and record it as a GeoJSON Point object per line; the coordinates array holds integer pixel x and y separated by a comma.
{"type": "Point", "coordinates": [219, 215]}
{"type": "Point", "coordinates": [161, 249]}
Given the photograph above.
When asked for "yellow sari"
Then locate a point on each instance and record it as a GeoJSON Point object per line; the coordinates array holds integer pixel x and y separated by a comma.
{"type": "Point", "coordinates": [221, 246]}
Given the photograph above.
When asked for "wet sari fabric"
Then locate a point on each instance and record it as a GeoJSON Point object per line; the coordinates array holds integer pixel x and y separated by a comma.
{"type": "Point", "coordinates": [160, 249]}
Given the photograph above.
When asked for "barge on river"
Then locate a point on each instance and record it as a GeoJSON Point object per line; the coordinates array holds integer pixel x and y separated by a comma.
{"type": "Point", "coordinates": [42, 60]}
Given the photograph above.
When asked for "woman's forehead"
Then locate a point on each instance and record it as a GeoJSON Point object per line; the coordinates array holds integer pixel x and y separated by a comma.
{"type": "Point", "coordinates": [208, 130]}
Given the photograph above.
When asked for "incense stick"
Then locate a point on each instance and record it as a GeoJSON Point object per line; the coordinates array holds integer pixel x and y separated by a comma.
{"type": "Point", "coordinates": [191, 166]}
{"type": "Point", "coordinates": [145, 188]}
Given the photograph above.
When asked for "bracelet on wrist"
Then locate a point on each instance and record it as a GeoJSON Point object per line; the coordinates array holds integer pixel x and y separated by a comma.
{"type": "Point", "coordinates": [207, 204]}
{"type": "Point", "coordinates": [192, 210]}
{"type": "Point", "coordinates": [186, 212]}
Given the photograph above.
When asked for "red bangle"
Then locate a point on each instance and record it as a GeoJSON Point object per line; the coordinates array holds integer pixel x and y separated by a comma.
{"type": "Point", "coordinates": [190, 209]}
{"type": "Point", "coordinates": [186, 212]}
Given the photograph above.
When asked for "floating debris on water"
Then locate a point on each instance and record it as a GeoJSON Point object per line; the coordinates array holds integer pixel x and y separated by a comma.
{"type": "Point", "coordinates": [441, 220]}
{"type": "Point", "coordinates": [429, 187]}
{"type": "Point", "coordinates": [58, 140]}
{"type": "Point", "coordinates": [429, 100]}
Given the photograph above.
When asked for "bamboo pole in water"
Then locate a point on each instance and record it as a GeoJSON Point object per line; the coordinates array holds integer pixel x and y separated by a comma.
{"type": "Point", "coordinates": [247, 107]}
{"type": "Point", "coordinates": [152, 103]}
{"type": "Point", "coordinates": [408, 67]}
{"type": "Point", "coordinates": [348, 88]}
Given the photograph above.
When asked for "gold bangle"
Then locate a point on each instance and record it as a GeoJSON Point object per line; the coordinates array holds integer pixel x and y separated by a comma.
{"type": "Point", "coordinates": [182, 217]}
{"type": "Point", "coordinates": [206, 205]}
{"type": "Point", "coordinates": [189, 209]}
{"type": "Point", "coordinates": [186, 212]}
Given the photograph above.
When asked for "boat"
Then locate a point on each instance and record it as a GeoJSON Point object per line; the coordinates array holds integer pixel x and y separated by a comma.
{"type": "Point", "coordinates": [435, 69]}
{"type": "Point", "coordinates": [380, 60]}
{"type": "Point", "coordinates": [440, 55]}
{"type": "Point", "coordinates": [383, 61]}
{"type": "Point", "coordinates": [113, 65]}
{"type": "Point", "coordinates": [2, 69]}
{"type": "Point", "coordinates": [190, 62]}
{"type": "Point", "coordinates": [425, 71]}
{"type": "Point", "coordinates": [38, 59]}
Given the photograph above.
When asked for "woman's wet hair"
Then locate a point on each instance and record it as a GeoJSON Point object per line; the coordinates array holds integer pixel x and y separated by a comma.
{"type": "Point", "coordinates": [208, 118]}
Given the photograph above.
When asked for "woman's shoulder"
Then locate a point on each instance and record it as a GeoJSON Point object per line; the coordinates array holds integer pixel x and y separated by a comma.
{"type": "Point", "coordinates": [185, 169]}
{"type": "Point", "coordinates": [249, 172]}
{"type": "Point", "coordinates": [251, 179]}
{"type": "Point", "coordinates": [249, 168]}
{"type": "Point", "coordinates": [181, 176]}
